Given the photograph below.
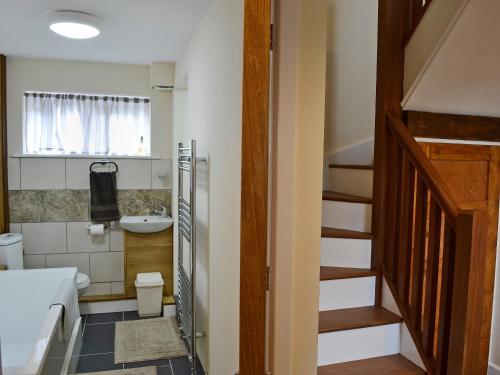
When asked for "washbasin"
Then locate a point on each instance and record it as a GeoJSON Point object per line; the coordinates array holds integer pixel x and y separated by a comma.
{"type": "Point", "coordinates": [146, 224]}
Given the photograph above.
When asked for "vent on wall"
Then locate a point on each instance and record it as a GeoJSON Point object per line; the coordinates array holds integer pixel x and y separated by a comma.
{"type": "Point", "coordinates": [162, 76]}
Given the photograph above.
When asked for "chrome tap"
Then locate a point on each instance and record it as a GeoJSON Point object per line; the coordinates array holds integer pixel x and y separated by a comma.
{"type": "Point", "coordinates": [162, 212]}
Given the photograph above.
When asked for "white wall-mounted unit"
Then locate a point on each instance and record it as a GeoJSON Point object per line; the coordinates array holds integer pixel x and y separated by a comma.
{"type": "Point", "coordinates": [162, 76]}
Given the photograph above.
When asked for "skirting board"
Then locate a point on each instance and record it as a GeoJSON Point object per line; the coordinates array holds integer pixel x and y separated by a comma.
{"type": "Point", "coordinates": [493, 369]}
{"type": "Point", "coordinates": [118, 306]}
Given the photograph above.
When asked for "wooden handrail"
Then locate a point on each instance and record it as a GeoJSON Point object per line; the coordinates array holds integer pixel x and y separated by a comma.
{"type": "Point", "coordinates": [432, 178]}
{"type": "Point", "coordinates": [433, 258]}
{"type": "Point", "coordinates": [431, 254]}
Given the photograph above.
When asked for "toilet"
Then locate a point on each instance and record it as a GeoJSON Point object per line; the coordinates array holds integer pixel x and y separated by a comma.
{"type": "Point", "coordinates": [11, 251]}
{"type": "Point", "coordinates": [82, 283]}
{"type": "Point", "coordinates": [11, 255]}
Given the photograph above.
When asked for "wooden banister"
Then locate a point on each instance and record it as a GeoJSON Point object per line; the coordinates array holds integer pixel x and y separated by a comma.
{"type": "Point", "coordinates": [434, 256]}
{"type": "Point", "coordinates": [428, 173]}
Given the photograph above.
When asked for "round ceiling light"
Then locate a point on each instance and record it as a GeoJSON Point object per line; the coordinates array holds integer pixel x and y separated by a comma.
{"type": "Point", "coordinates": [73, 24]}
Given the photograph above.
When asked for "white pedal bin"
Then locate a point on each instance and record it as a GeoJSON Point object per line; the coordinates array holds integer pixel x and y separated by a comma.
{"type": "Point", "coordinates": [149, 293]}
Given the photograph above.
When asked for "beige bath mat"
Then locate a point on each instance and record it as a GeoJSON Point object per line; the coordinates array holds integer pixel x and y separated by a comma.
{"type": "Point", "coordinates": [129, 371]}
{"type": "Point", "coordinates": [147, 340]}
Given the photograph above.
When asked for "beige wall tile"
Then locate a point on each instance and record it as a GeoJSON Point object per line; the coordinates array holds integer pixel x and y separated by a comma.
{"type": "Point", "coordinates": [43, 173]}
{"type": "Point", "coordinates": [44, 238]}
{"type": "Point", "coordinates": [106, 267]}
{"type": "Point", "coordinates": [80, 261]}
{"type": "Point", "coordinates": [80, 240]}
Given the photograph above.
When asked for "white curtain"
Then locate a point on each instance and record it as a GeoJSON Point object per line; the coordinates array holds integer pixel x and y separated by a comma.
{"type": "Point", "coordinates": [85, 124]}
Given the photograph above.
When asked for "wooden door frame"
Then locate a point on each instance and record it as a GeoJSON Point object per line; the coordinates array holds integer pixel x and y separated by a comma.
{"type": "Point", "coordinates": [254, 186]}
{"type": "Point", "coordinates": [4, 192]}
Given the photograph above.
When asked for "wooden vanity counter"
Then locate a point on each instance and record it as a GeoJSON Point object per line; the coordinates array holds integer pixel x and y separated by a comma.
{"type": "Point", "coordinates": [149, 252]}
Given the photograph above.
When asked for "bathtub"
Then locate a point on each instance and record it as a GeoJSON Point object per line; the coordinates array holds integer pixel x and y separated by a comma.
{"type": "Point", "coordinates": [31, 330]}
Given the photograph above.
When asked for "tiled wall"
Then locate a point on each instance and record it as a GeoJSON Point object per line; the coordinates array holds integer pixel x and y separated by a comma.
{"type": "Point", "coordinates": [49, 203]}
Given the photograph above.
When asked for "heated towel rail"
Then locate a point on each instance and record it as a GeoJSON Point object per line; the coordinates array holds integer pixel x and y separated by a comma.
{"type": "Point", "coordinates": [186, 280]}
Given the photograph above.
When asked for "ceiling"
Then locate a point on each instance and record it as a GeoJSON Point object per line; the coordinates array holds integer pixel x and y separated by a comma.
{"type": "Point", "coordinates": [463, 75]}
{"type": "Point", "coordinates": [133, 31]}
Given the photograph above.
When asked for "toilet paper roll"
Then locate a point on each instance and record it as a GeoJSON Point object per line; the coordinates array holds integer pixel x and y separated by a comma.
{"type": "Point", "coordinates": [96, 229]}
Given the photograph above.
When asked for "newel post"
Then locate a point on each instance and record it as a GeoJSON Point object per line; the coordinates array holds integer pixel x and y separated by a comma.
{"type": "Point", "coordinates": [468, 291]}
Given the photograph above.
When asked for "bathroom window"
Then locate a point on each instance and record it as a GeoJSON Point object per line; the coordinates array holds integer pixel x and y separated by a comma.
{"type": "Point", "coordinates": [75, 124]}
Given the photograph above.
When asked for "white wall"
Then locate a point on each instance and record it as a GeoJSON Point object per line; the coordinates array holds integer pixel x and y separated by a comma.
{"type": "Point", "coordinates": [210, 111]}
{"type": "Point", "coordinates": [297, 174]}
{"type": "Point", "coordinates": [351, 73]}
{"type": "Point", "coordinates": [89, 78]}
{"type": "Point", "coordinates": [450, 66]}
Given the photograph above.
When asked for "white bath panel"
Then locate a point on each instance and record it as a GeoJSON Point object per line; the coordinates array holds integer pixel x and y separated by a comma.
{"type": "Point", "coordinates": [350, 181]}
{"type": "Point", "coordinates": [346, 293]}
{"type": "Point", "coordinates": [346, 252]}
{"type": "Point", "coordinates": [356, 344]}
{"type": "Point", "coordinates": [346, 215]}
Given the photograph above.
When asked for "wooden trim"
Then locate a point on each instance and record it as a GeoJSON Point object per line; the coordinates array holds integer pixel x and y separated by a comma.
{"type": "Point", "coordinates": [351, 166]}
{"type": "Point", "coordinates": [468, 287]}
{"type": "Point", "coordinates": [390, 70]}
{"type": "Point", "coordinates": [338, 273]}
{"type": "Point", "coordinates": [4, 192]}
{"type": "Point", "coordinates": [448, 126]}
{"type": "Point", "coordinates": [254, 186]}
{"type": "Point", "coordinates": [341, 197]}
{"type": "Point", "coordinates": [344, 233]}
{"type": "Point", "coordinates": [355, 318]}
{"type": "Point", "coordinates": [391, 364]}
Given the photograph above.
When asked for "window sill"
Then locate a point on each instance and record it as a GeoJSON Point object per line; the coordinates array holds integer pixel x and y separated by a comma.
{"type": "Point", "coordinates": [99, 157]}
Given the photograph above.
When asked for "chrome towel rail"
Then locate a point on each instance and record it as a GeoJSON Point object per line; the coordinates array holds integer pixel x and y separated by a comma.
{"type": "Point", "coordinates": [185, 299]}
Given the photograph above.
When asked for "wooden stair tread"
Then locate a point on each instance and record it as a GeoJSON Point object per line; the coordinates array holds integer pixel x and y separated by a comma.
{"type": "Point", "coordinates": [355, 318]}
{"type": "Point", "coordinates": [344, 233]}
{"type": "Point", "coordinates": [336, 273]}
{"type": "Point", "coordinates": [341, 197]}
{"type": "Point", "coordinates": [388, 365]}
{"type": "Point", "coordinates": [351, 166]}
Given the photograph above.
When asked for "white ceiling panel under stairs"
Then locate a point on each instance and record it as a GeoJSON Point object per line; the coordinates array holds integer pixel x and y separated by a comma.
{"type": "Point", "coordinates": [455, 67]}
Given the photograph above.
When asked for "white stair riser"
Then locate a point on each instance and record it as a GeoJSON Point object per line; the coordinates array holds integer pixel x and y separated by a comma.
{"type": "Point", "coordinates": [346, 252]}
{"type": "Point", "coordinates": [345, 215]}
{"type": "Point", "coordinates": [351, 181]}
{"type": "Point", "coordinates": [346, 293]}
{"type": "Point", "coordinates": [357, 344]}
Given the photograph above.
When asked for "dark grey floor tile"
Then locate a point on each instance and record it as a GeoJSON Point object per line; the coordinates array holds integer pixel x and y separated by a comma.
{"type": "Point", "coordinates": [157, 363]}
{"type": "Point", "coordinates": [98, 339]}
{"type": "Point", "coordinates": [182, 366]}
{"type": "Point", "coordinates": [94, 363]}
{"type": "Point", "coordinates": [134, 315]}
{"type": "Point", "coordinates": [131, 315]}
{"type": "Point", "coordinates": [164, 370]}
{"type": "Point", "coordinates": [104, 318]}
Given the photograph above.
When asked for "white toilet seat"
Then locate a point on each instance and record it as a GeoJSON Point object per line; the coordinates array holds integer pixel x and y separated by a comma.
{"type": "Point", "coordinates": [82, 281]}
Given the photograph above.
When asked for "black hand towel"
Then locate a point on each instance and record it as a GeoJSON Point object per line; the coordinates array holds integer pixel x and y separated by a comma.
{"type": "Point", "coordinates": [103, 197]}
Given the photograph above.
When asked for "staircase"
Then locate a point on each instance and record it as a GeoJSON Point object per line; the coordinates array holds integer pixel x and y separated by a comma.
{"type": "Point", "coordinates": [354, 335]}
